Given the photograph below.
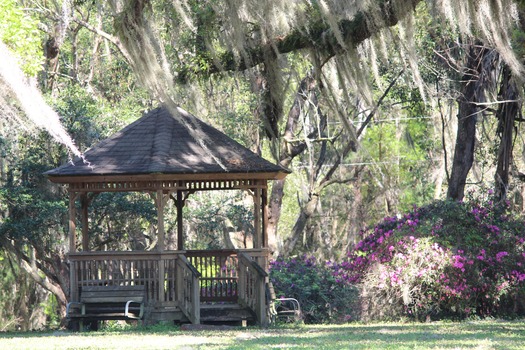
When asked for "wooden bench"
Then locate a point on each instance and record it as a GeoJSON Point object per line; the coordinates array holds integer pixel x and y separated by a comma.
{"type": "Point", "coordinates": [108, 303]}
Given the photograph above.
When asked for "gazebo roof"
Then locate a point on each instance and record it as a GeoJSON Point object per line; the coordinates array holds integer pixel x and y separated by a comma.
{"type": "Point", "coordinates": [161, 143]}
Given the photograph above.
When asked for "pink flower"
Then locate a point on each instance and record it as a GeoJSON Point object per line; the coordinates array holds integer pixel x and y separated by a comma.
{"type": "Point", "coordinates": [458, 265]}
{"type": "Point", "coordinates": [500, 255]}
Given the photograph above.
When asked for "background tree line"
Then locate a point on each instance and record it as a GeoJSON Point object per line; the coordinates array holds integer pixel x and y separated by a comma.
{"type": "Point", "coordinates": [376, 107]}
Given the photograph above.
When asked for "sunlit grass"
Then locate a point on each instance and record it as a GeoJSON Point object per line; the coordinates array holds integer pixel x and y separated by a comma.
{"type": "Point", "coordinates": [477, 335]}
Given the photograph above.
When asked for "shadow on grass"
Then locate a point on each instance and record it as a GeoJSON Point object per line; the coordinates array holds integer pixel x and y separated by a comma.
{"type": "Point", "coordinates": [441, 335]}
{"type": "Point", "coordinates": [482, 335]}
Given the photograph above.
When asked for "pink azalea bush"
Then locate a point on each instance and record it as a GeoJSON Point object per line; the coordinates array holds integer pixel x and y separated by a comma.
{"type": "Point", "coordinates": [445, 260]}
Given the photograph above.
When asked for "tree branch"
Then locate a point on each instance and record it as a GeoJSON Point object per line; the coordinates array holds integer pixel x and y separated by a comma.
{"type": "Point", "coordinates": [34, 269]}
{"type": "Point", "coordinates": [351, 145]}
{"type": "Point", "coordinates": [111, 38]}
{"type": "Point", "coordinates": [379, 103]}
{"type": "Point", "coordinates": [318, 36]}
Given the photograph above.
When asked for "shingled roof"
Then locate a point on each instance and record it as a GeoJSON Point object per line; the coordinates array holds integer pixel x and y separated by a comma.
{"type": "Point", "coordinates": [161, 143]}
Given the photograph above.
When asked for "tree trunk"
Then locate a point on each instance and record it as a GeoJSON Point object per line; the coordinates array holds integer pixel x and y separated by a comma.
{"type": "Point", "coordinates": [274, 212]}
{"type": "Point", "coordinates": [297, 231]}
{"type": "Point", "coordinates": [471, 93]}
{"type": "Point", "coordinates": [289, 151]}
{"type": "Point", "coordinates": [506, 115]}
{"type": "Point", "coordinates": [53, 277]}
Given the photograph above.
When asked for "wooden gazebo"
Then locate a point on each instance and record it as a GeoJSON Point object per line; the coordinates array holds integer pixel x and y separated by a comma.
{"type": "Point", "coordinates": [170, 154]}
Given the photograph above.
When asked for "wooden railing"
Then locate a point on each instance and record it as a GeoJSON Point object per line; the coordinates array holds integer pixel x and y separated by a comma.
{"type": "Point", "coordinates": [219, 272]}
{"type": "Point", "coordinates": [156, 271]}
{"type": "Point", "coordinates": [178, 278]}
{"type": "Point", "coordinates": [188, 290]}
{"type": "Point", "coordinates": [260, 256]}
{"type": "Point", "coordinates": [252, 284]}
{"type": "Point", "coordinates": [218, 269]}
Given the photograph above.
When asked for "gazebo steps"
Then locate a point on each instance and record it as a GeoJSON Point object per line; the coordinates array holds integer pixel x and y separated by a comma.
{"type": "Point", "coordinates": [160, 315]}
{"type": "Point", "coordinates": [225, 313]}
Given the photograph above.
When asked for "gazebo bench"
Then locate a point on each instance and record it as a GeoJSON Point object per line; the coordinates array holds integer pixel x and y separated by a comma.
{"type": "Point", "coordinates": [108, 303]}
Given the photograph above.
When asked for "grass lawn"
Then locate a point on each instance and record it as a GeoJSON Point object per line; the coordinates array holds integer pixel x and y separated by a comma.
{"type": "Point", "coordinates": [478, 335]}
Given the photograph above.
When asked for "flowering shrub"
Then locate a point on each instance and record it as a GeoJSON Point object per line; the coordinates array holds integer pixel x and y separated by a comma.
{"type": "Point", "coordinates": [322, 298]}
{"type": "Point", "coordinates": [449, 259]}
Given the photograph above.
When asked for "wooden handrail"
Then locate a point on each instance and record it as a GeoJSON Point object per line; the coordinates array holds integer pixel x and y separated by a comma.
{"type": "Point", "coordinates": [192, 268]}
{"type": "Point", "coordinates": [252, 284]}
{"type": "Point", "coordinates": [134, 255]}
{"type": "Point", "coordinates": [247, 260]}
{"type": "Point", "coordinates": [188, 288]}
{"type": "Point", "coordinates": [222, 252]}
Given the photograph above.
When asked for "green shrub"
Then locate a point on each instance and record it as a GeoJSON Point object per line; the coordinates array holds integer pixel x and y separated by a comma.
{"type": "Point", "coordinates": [322, 298]}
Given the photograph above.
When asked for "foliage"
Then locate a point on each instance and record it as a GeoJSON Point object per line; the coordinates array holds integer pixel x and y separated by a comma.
{"type": "Point", "coordinates": [19, 293]}
{"type": "Point", "coordinates": [323, 299]}
{"type": "Point", "coordinates": [121, 221]}
{"type": "Point", "coordinates": [32, 210]}
{"type": "Point", "coordinates": [19, 31]}
{"type": "Point", "coordinates": [210, 216]}
{"type": "Point", "coordinates": [448, 259]}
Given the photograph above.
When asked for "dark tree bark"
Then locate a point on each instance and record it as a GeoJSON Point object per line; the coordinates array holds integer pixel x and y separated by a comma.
{"type": "Point", "coordinates": [270, 109]}
{"type": "Point", "coordinates": [472, 92]}
{"type": "Point", "coordinates": [506, 114]}
{"type": "Point", "coordinates": [317, 35]}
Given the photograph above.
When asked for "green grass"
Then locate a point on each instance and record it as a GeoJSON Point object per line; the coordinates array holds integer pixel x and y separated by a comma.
{"type": "Point", "coordinates": [477, 335]}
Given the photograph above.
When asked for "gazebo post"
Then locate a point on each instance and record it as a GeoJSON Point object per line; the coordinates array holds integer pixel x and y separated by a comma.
{"type": "Point", "coordinates": [160, 241]}
{"type": "Point", "coordinates": [84, 203]}
{"type": "Point", "coordinates": [265, 224]}
{"type": "Point", "coordinates": [257, 241]}
{"type": "Point", "coordinates": [72, 222]}
{"type": "Point", "coordinates": [264, 204]}
{"type": "Point", "coordinates": [73, 292]}
{"type": "Point", "coordinates": [160, 220]}
{"type": "Point", "coordinates": [180, 205]}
